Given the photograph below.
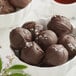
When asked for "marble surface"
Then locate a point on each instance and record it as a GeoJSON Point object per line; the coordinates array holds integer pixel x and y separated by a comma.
{"type": "Point", "coordinates": [36, 14]}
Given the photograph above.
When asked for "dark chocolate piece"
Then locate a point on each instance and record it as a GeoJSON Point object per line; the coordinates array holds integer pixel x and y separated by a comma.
{"type": "Point", "coordinates": [20, 3]}
{"type": "Point", "coordinates": [56, 55]}
{"type": "Point", "coordinates": [46, 38]}
{"type": "Point", "coordinates": [60, 25]}
{"type": "Point", "coordinates": [6, 7]}
{"type": "Point", "coordinates": [32, 53]}
{"type": "Point", "coordinates": [34, 28]}
{"type": "Point", "coordinates": [19, 37]}
{"type": "Point", "coordinates": [69, 43]}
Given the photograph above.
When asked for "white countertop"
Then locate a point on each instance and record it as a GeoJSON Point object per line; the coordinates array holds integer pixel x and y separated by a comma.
{"type": "Point", "coordinates": [35, 14]}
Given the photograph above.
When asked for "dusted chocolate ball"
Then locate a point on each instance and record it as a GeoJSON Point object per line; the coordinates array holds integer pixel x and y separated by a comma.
{"type": "Point", "coordinates": [60, 25]}
{"type": "Point", "coordinates": [5, 7]}
{"type": "Point", "coordinates": [20, 3]}
{"type": "Point", "coordinates": [46, 38]}
{"type": "Point", "coordinates": [32, 53]}
{"type": "Point", "coordinates": [69, 43]}
{"type": "Point", "coordinates": [56, 55]}
{"type": "Point", "coordinates": [34, 28]}
{"type": "Point", "coordinates": [19, 37]}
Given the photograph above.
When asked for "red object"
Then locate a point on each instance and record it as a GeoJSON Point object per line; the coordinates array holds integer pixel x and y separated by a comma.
{"type": "Point", "coordinates": [66, 1]}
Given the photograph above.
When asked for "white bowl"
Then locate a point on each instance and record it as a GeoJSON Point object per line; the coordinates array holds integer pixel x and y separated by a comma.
{"type": "Point", "coordinates": [67, 10]}
{"type": "Point", "coordinates": [50, 71]}
{"type": "Point", "coordinates": [14, 19]}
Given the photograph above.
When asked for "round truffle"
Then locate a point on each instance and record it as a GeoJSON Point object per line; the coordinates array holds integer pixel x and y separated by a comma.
{"type": "Point", "coordinates": [32, 53]}
{"type": "Point", "coordinates": [46, 38]}
{"type": "Point", "coordinates": [34, 28]}
{"type": "Point", "coordinates": [19, 37]}
{"type": "Point", "coordinates": [56, 55]}
{"type": "Point", "coordinates": [69, 43]}
{"type": "Point", "coordinates": [19, 3]}
{"type": "Point", "coordinates": [6, 7]}
{"type": "Point", "coordinates": [60, 25]}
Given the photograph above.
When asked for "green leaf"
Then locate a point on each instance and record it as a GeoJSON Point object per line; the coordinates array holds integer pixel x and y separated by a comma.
{"type": "Point", "coordinates": [17, 74]}
{"type": "Point", "coordinates": [17, 67]}
{"type": "Point", "coordinates": [0, 64]}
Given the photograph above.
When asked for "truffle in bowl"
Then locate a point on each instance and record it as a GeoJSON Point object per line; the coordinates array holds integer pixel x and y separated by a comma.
{"type": "Point", "coordinates": [11, 15]}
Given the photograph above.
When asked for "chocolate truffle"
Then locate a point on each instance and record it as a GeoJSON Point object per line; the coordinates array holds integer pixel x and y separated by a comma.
{"type": "Point", "coordinates": [34, 28]}
{"type": "Point", "coordinates": [60, 25]}
{"type": "Point", "coordinates": [56, 55]}
{"type": "Point", "coordinates": [69, 43]}
{"type": "Point", "coordinates": [46, 38]}
{"type": "Point", "coordinates": [20, 3]}
{"type": "Point", "coordinates": [19, 37]}
{"type": "Point", "coordinates": [5, 7]}
{"type": "Point", "coordinates": [32, 53]}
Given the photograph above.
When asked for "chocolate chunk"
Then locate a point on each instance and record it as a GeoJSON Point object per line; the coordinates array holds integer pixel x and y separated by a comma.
{"type": "Point", "coordinates": [6, 7]}
{"type": "Point", "coordinates": [46, 38]}
{"type": "Point", "coordinates": [32, 53]}
{"type": "Point", "coordinates": [20, 3]}
{"type": "Point", "coordinates": [34, 28]}
{"type": "Point", "coordinates": [60, 25]}
{"type": "Point", "coordinates": [19, 37]}
{"type": "Point", "coordinates": [69, 43]}
{"type": "Point", "coordinates": [56, 55]}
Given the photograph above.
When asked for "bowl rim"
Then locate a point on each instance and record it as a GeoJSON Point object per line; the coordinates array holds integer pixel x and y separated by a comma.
{"type": "Point", "coordinates": [61, 4]}
{"type": "Point", "coordinates": [29, 65]}
{"type": "Point", "coordinates": [12, 13]}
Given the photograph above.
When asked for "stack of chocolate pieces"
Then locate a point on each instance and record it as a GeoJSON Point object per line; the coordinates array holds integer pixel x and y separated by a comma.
{"type": "Point", "coordinates": [45, 48]}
